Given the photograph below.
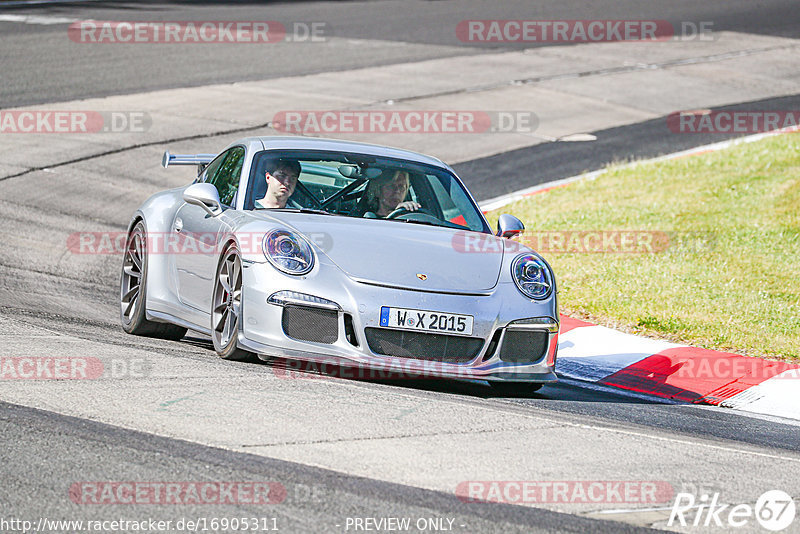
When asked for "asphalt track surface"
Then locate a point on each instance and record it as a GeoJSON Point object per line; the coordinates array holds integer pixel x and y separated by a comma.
{"type": "Point", "coordinates": [316, 500]}
{"type": "Point", "coordinates": [41, 65]}
{"type": "Point", "coordinates": [44, 452]}
{"type": "Point", "coordinates": [546, 162]}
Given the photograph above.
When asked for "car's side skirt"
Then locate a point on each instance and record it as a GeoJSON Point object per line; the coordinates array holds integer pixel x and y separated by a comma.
{"type": "Point", "coordinates": [169, 318]}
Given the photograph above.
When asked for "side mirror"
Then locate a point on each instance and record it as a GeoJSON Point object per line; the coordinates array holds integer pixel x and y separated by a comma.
{"type": "Point", "coordinates": [205, 196]}
{"type": "Point", "coordinates": [349, 171]}
{"type": "Point", "coordinates": [509, 226]}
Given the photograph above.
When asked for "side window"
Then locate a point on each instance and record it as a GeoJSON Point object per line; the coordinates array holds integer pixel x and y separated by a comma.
{"type": "Point", "coordinates": [456, 206]}
{"type": "Point", "coordinates": [449, 207]}
{"type": "Point", "coordinates": [224, 172]}
{"type": "Point", "coordinates": [211, 168]}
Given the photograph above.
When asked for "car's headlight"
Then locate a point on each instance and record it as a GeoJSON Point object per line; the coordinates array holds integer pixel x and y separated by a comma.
{"type": "Point", "coordinates": [532, 276]}
{"type": "Point", "coordinates": [288, 252]}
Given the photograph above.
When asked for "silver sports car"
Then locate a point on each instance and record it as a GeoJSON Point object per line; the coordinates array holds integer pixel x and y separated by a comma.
{"type": "Point", "coordinates": [340, 253]}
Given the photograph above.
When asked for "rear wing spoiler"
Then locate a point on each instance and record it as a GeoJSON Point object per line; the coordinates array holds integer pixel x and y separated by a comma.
{"type": "Point", "coordinates": [201, 160]}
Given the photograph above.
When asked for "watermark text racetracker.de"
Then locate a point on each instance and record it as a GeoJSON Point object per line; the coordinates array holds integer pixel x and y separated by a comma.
{"type": "Point", "coordinates": [733, 121]}
{"type": "Point", "coordinates": [178, 243]}
{"type": "Point", "coordinates": [581, 31]}
{"type": "Point", "coordinates": [586, 242]}
{"type": "Point", "coordinates": [182, 524]}
{"type": "Point", "coordinates": [404, 122]}
{"type": "Point", "coordinates": [72, 368]}
{"type": "Point", "coordinates": [196, 32]}
{"type": "Point", "coordinates": [544, 241]}
{"type": "Point", "coordinates": [177, 492]}
{"type": "Point", "coordinates": [73, 122]}
{"type": "Point", "coordinates": [565, 491]}
{"type": "Point", "coordinates": [710, 365]}
{"type": "Point", "coordinates": [377, 371]}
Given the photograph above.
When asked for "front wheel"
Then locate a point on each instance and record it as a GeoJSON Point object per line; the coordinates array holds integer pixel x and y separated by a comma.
{"type": "Point", "coordinates": [226, 307]}
{"type": "Point", "coordinates": [515, 389]}
{"type": "Point", "coordinates": [133, 290]}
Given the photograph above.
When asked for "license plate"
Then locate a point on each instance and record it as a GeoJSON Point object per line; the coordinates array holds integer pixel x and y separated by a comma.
{"type": "Point", "coordinates": [426, 321]}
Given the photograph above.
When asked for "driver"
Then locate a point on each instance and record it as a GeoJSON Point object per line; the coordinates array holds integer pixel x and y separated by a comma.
{"type": "Point", "coordinates": [281, 182]}
{"type": "Point", "coordinates": [382, 196]}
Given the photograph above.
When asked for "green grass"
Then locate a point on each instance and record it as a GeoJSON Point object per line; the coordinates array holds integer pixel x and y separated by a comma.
{"type": "Point", "coordinates": [729, 278]}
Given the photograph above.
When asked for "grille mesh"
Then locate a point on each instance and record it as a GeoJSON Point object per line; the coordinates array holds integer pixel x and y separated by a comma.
{"type": "Point", "coordinates": [310, 324]}
{"type": "Point", "coordinates": [521, 346]}
{"type": "Point", "coordinates": [422, 346]}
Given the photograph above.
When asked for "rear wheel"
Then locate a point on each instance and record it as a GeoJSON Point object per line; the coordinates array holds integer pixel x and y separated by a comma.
{"type": "Point", "coordinates": [515, 389]}
{"type": "Point", "coordinates": [133, 290]}
{"type": "Point", "coordinates": [226, 307]}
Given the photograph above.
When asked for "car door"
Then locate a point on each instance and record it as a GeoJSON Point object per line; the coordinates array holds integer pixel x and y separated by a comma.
{"type": "Point", "coordinates": [198, 233]}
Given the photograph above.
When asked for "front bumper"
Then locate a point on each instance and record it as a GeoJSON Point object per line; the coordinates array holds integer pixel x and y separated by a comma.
{"type": "Point", "coordinates": [359, 305]}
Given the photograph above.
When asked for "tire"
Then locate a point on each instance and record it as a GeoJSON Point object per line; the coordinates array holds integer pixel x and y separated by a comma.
{"type": "Point", "coordinates": [515, 389]}
{"type": "Point", "coordinates": [133, 291]}
{"type": "Point", "coordinates": [226, 307]}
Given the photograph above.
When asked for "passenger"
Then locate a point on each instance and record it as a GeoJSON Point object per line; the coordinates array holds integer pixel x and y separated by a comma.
{"type": "Point", "coordinates": [281, 181]}
{"type": "Point", "coordinates": [382, 196]}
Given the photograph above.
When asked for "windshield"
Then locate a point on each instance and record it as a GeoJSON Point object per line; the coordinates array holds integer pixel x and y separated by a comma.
{"type": "Point", "coordinates": [357, 185]}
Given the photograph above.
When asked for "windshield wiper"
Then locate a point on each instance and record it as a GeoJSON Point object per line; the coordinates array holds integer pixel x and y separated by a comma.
{"type": "Point", "coordinates": [426, 223]}
{"type": "Point", "coordinates": [306, 210]}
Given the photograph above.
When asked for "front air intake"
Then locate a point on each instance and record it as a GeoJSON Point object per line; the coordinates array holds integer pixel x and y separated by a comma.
{"type": "Point", "coordinates": [310, 324]}
{"type": "Point", "coordinates": [422, 346]}
{"type": "Point", "coordinates": [524, 346]}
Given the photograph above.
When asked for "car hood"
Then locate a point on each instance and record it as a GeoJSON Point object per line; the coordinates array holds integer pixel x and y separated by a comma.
{"type": "Point", "coordinates": [404, 255]}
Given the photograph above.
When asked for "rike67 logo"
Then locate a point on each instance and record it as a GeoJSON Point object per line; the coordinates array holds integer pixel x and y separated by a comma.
{"type": "Point", "coordinates": [774, 511]}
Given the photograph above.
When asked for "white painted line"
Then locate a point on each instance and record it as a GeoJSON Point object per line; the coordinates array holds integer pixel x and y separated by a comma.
{"type": "Point", "coordinates": [503, 200]}
{"type": "Point", "coordinates": [499, 202]}
{"type": "Point", "coordinates": [18, 3]}
{"type": "Point", "coordinates": [637, 510]}
{"type": "Point", "coordinates": [578, 138]}
{"type": "Point", "coordinates": [693, 444]}
{"type": "Point", "coordinates": [44, 20]}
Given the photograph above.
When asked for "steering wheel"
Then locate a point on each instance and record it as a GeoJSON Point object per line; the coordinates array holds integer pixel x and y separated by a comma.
{"type": "Point", "coordinates": [399, 212]}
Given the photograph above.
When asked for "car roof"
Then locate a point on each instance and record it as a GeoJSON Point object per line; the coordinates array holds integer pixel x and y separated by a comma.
{"type": "Point", "coordinates": [336, 145]}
